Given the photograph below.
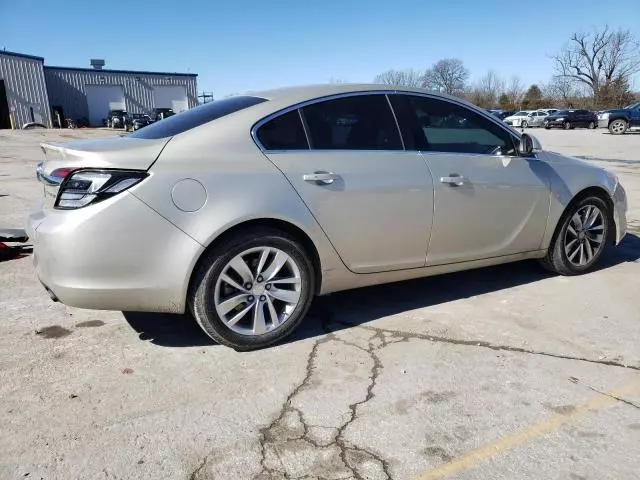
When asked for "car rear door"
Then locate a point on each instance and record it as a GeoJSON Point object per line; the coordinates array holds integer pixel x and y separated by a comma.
{"type": "Point", "coordinates": [373, 199]}
{"type": "Point", "coordinates": [488, 201]}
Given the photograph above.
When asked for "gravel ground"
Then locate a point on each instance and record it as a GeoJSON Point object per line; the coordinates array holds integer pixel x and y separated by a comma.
{"type": "Point", "coordinates": [505, 372]}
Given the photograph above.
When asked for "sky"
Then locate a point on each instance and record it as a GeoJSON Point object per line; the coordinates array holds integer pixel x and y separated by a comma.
{"type": "Point", "coordinates": [238, 46]}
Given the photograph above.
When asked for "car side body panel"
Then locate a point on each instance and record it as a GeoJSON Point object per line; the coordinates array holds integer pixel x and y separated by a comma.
{"type": "Point", "coordinates": [239, 185]}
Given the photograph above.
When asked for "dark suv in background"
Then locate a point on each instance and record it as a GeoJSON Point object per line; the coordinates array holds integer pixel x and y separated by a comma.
{"type": "Point", "coordinates": [569, 119]}
{"type": "Point", "coordinates": [620, 119]}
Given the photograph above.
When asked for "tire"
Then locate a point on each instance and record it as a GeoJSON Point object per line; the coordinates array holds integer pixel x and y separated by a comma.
{"type": "Point", "coordinates": [207, 286]}
{"type": "Point", "coordinates": [524, 124]}
{"type": "Point", "coordinates": [567, 126]}
{"type": "Point", "coordinates": [591, 125]}
{"type": "Point", "coordinates": [557, 259]}
{"type": "Point", "coordinates": [618, 126]}
{"type": "Point", "coordinates": [547, 127]}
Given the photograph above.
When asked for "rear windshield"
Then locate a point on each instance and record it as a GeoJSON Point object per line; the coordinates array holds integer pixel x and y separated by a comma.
{"type": "Point", "coordinates": [195, 117]}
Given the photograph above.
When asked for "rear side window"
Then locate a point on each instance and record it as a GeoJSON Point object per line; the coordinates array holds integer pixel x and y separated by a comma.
{"type": "Point", "coordinates": [430, 124]}
{"type": "Point", "coordinates": [195, 117]}
{"type": "Point", "coordinates": [283, 133]}
{"type": "Point", "coordinates": [361, 122]}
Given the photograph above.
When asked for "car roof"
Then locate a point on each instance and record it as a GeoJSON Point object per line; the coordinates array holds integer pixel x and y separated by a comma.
{"type": "Point", "coordinates": [304, 93]}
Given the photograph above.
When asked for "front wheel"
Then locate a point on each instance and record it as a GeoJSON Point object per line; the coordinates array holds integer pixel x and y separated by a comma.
{"type": "Point", "coordinates": [618, 127]}
{"type": "Point", "coordinates": [524, 124]}
{"type": "Point", "coordinates": [580, 239]}
{"type": "Point", "coordinates": [567, 125]}
{"type": "Point", "coordinates": [591, 125]}
{"type": "Point", "coordinates": [253, 290]}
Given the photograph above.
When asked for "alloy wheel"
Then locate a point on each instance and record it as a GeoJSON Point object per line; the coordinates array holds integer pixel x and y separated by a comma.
{"type": "Point", "coordinates": [258, 290]}
{"type": "Point", "coordinates": [617, 127]}
{"type": "Point", "coordinates": [584, 237]}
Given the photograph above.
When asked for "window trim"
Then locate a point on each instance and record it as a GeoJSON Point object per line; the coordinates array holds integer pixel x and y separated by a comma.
{"type": "Point", "coordinates": [299, 106]}
{"type": "Point", "coordinates": [514, 138]}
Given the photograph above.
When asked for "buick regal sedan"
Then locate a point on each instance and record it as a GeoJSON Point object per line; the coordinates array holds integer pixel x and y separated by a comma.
{"type": "Point", "coordinates": [244, 209]}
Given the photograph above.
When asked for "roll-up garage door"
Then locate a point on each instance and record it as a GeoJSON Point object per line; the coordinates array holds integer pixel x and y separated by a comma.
{"type": "Point", "coordinates": [101, 99]}
{"type": "Point", "coordinates": [174, 97]}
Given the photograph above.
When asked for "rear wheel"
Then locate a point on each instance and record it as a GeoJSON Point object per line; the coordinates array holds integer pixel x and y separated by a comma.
{"type": "Point", "coordinates": [581, 238]}
{"type": "Point", "coordinates": [618, 127]}
{"type": "Point", "coordinates": [253, 290]}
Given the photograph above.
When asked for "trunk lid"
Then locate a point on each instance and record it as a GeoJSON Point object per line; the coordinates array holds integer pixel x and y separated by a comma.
{"type": "Point", "coordinates": [119, 152]}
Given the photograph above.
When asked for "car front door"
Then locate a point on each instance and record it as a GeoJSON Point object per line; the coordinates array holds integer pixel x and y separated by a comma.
{"type": "Point", "coordinates": [373, 199]}
{"type": "Point", "coordinates": [488, 201]}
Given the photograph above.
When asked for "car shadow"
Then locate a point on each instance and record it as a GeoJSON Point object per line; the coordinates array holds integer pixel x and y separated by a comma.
{"type": "Point", "coordinates": [354, 307]}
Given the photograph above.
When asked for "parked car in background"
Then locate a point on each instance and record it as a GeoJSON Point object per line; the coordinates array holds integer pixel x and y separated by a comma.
{"type": "Point", "coordinates": [619, 120]}
{"type": "Point", "coordinates": [244, 209]}
{"type": "Point", "coordinates": [519, 119]}
{"type": "Point", "coordinates": [162, 113]}
{"type": "Point", "coordinates": [569, 119]}
{"type": "Point", "coordinates": [549, 111]}
{"type": "Point", "coordinates": [136, 121]}
{"type": "Point", "coordinates": [537, 118]}
{"type": "Point", "coordinates": [116, 118]}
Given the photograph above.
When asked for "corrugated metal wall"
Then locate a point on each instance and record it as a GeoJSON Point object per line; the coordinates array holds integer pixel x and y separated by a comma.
{"type": "Point", "coordinates": [66, 88]}
{"type": "Point", "coordinates": [26, 89]}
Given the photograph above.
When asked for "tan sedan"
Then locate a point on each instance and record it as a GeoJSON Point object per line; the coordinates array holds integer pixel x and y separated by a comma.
{"type": "Point", "coordinates": [244, 209]}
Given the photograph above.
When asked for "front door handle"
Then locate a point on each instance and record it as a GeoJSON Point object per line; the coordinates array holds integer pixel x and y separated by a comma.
{"type": "Point", "coordinates": [320, 178]}
{"type": "Point", "coordinates": [454, 179]}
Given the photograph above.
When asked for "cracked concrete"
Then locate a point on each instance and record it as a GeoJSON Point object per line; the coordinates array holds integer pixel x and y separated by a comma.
{"type": "Point", "coordinates": [387, 382]}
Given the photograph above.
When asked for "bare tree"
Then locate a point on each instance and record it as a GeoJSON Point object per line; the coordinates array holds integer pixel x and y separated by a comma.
{"type": "Point", "coordinates": [405, 78]}
{"type": "Point", "coordinates": [561, 90]}
{"type": "Point", "coordinates": [598, 59]}
{"type": "Point", "coordinates": [515, 92]}
{"type": "Point", "coordinates": [487, 91]}
{"type": "Point", "coordinates": [448, 75]}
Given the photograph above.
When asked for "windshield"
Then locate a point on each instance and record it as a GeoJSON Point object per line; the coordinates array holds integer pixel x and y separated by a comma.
{"type": "Point", "coordinates": [562, 112]}
{"type": "Point", "coordinates": [521, 114]}
{"type": "Point", "coordinates": [632, 106]}
{"type": "Point", "coordinates": [195, 117]}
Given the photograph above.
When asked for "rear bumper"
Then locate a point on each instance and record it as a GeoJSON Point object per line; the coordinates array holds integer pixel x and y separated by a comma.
{"type": "Point", "coordinates": [116, 255]}
{"type": "Point", "coordinates": [620, 212]}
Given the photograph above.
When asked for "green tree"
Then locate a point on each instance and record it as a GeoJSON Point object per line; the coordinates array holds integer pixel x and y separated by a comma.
{"type": "Point", "coordinates": [533, 97]}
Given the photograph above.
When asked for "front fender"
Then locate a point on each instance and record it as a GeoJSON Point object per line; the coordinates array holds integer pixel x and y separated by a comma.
{"type": "Point", "coordinates": [569, 177]}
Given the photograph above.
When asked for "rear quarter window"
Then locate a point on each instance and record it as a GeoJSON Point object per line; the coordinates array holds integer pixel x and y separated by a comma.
{"type": "Point", "coordinates": [195, 117]}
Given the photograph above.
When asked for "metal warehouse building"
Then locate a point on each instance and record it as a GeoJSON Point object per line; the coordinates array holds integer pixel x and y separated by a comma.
{"type": "Point", "coordinates": [32, 92]}
{"type": "Point", "coordinates": [23, 92]}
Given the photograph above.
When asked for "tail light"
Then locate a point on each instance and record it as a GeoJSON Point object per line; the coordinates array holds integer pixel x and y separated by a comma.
{"type": "Point", "coordinates": [87, 186]}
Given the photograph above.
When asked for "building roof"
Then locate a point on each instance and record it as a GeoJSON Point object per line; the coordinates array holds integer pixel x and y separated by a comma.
{"type": "Point", "coordinates": [21, 55]}
{"type": "Point", "coordinates": [126, 72]}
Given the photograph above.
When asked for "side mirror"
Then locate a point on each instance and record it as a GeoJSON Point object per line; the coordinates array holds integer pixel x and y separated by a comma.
{"type": "Point", "coordinates": [526, 147]}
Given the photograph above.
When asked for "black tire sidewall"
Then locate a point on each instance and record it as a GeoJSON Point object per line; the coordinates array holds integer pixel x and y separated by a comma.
{"type": "Point", "coordinates": [559, 253]}
{"type": "Point", "coordinates": [210, 268]}
{"type": "Point", "coordinates": [567, 125]}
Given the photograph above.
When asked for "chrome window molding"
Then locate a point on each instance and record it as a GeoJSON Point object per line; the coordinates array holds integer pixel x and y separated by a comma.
{"type": "Point", "coordinates": [299, 106]}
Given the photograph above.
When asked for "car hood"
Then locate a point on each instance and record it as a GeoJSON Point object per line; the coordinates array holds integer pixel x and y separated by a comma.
{"type": "Point", "coordinates": [117, 152]}
{"type": "Point", "coordinates": [515, 117]}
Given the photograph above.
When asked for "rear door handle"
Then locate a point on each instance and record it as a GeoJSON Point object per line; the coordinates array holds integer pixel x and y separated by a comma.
{"type": "Point", "coordinates": [453, 179]}
{"type": "Point", "coordinates": [320, 178]}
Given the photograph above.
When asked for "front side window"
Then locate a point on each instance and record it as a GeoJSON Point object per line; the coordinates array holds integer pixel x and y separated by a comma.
{"type": "Point", "coordinates": [284, 132]}
{"type": "Point", "coordinates": [360, 122]}
{"type": "Point", "coordinates": [431, 124]}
